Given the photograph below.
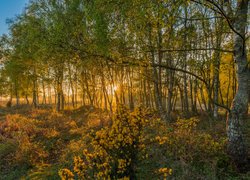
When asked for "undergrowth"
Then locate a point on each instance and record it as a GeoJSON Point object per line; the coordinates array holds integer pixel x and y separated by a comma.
{"type": "Point", "coordinates": [88, 144]}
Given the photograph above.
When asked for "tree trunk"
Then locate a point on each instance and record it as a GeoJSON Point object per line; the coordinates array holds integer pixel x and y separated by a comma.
{"type": "Point", "coordinates": [155, 77]}
{"type": "Point", "coordinates": [60, 96]}
{"type": "Point", "coordinates": [27, 99]}
{"type": "Point", "coordinates": [160, 55]}
{"type": "Point", "coordinates": [237, 118]}
{"type": "Point", "coordinates": [170, 90]}
{"type": "Point", "coordinates": [185, 80]}
{"type": "Point", "coordinates": [248, 85]}
{"type": "Point", "coordinates": [16, 92]}
{"type": "Point", "coordinates": [58, 105]}
{"type": "Point", "coordinates": [34, 101]}
{"type": "Point", "coordinates": [228, 87]}
{"type": "Point", "coordinates": [44, 94]}
{"type": "Point", "coordinates": [71, 87]}
{"type": "Point", "coordinates": [216, 65]}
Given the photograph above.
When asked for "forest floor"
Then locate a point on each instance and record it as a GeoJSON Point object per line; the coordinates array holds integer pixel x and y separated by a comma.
{"type": "Point", "coordinates": [38, 143]}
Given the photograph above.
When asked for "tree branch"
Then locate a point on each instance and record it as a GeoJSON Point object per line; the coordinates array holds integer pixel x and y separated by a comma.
{"type": "Point", "coordinates": [226, 17]}
{"type": "Point", "coordinates": [222, 12]}
{"type": "Point", "coordinates": [198, 49]}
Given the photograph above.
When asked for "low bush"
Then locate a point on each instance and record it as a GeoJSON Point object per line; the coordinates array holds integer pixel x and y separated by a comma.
{"type": "Point", "coordinates": [115, 151]}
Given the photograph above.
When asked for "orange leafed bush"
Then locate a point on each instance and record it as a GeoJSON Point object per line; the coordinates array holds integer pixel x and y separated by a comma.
{"type": "Point", "coordinates": [21, 131]}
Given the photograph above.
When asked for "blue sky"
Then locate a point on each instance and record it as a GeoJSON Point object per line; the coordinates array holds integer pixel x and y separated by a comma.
{"type": "Point", "coordinates": [9, 9]}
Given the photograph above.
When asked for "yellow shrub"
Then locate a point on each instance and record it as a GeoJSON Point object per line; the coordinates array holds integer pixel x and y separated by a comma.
{"type": "Point", "coordinates": [113, 151]}
{"type": "Point", "coordinates": [66, 174]}
{"type": "Point", "coordinates": [165, 172]}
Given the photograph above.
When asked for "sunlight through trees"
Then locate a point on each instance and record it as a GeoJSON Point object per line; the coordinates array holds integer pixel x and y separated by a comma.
{"type": "Point", "coordinates": [175, 59]}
